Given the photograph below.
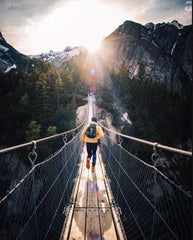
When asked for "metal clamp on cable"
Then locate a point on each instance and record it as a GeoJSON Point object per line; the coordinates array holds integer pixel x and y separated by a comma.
{"type": "Point", "coordinates": [120, 140]}
{"type": "Point", "coordinates": [65, 139]}
{"type": "Point", "coordinates": [32, 156]}
{"type": "Point", "coordinates": [155, 157]}
{"type": "Point", "coordinates": [74, 134]}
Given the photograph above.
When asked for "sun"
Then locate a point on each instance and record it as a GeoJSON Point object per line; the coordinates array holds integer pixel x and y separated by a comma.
{"type": "Point", "coordinates": [92, 46]}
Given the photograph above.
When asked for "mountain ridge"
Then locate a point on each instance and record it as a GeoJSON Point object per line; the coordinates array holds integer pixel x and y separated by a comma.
{"type": "Point", "coordinates": [58, 58]}
{"type": "Point", "coordinates": [10, 58]}
{"type": "Point", "coordinates": [165, 50]}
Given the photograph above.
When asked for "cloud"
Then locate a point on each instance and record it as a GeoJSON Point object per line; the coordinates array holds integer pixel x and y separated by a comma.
{"type": "Point", "coordinates": [188, 6]}
{"type": "Point", "coordinates": [155, 10]}
{"type": "Point", "coordinates": [39, 25]}
{"type": "Point", "coordinates": [17, 12]}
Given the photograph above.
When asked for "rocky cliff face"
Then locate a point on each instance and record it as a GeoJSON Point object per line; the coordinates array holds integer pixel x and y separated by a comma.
{"type": "Point", "coordinates": [10, 58]}
{"type": "Point", "coordinates": [164, 49]}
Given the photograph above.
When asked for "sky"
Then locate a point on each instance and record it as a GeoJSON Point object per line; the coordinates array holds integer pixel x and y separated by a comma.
{"type": "Point", "coordinates": [36, 26]}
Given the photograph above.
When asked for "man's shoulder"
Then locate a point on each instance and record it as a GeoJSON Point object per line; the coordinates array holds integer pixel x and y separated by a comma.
{"type": "Point", "coordinates": [86, 126]}
{"type": "Point", "coordinates": [99, 127]}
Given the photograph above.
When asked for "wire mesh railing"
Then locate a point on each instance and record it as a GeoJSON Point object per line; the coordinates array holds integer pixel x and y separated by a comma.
{"type": "Point", "coordinates": [33, 207]}
{"type": "Point", "coordinates": [151, 206]}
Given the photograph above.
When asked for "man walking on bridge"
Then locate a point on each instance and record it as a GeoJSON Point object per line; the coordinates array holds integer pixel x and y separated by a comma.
{"type": "Point", "coordinates": [92, 134]}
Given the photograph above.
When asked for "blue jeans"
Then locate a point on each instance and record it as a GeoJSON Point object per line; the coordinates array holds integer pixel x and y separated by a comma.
{"type": "Point", "coordinates": [91, 150]}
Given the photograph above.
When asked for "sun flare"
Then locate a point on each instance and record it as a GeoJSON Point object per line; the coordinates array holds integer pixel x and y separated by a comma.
{"type": "Point", "coordinates": [92, 47]}
{"type": "Point", "coordinates": [66, 25]}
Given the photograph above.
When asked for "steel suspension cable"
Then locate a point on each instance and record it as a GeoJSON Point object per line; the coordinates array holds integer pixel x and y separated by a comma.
{"type": "Point", "coordinates": [125, 198]}
{"type": "Point", "coordinates": [33, 168]}
{"type": "Point", "coordinates": [5, 150]}
{"type": "Point", "coordinates": [49, 159]}
{"type": "Point", "coordinates": [143, 195]}
{"type": "Point", "coordinates": [158, 198]}
{"type": "Point", "coordinates": [158, 145]}
{"type": "Point", "coordinates": [61, 197]}
{"type": "Point", "coordinates": [152, 167]}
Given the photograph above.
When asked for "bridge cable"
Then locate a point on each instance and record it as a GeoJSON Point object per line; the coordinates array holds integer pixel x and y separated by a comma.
{"type": "Point", "coordinates": [51, 187]}
{"type": "Point", "coordinates": [148, 142]}
{"type": "Point", "coordinates": [143, 195]}
{"type": "Point", "coordinates": [5, 150]}
{"type": "Point", "coordinates": [157, 195]}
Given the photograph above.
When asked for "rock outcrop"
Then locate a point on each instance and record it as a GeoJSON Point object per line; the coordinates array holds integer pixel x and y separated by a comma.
{"type": "Point", "coordinates": [165, 50]}
{"type": "Point", "coordinates": [10, 58]}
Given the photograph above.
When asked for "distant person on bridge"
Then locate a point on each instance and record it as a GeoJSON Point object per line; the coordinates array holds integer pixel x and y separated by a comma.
{"type": "Point", "coordinates": [92, 134]}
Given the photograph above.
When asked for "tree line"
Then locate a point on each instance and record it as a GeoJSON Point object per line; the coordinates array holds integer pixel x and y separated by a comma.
{"type": "Point", "coordinates": [40, 103]}
{"type": "Point", "coordinates": [157, 113]}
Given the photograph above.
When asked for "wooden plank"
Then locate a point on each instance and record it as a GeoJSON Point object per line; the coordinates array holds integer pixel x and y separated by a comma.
{"type": "Point", "coordinates": [92, 192]}
{"type": "Point", "coordinates": [102, 195]}
{"type": "Point", "coordinates": [98, 169]}
{"type": "Point", "coordinates": [78, 225]}
{"type": "Point", "coordinates": [97, 213]}
{"type": "Point", "coordinates": [117, 220]}
{"type": "Point", "coordinates": [103, 200]}
{"type": "Point", "coordinates": [67, 224]}
{"type": "Point", "coordinates": [82, 191]}
{"type": "Point", "coordinates": [82, 194]}
{"type": "Point", "coordinates": [107, 225]}
{"type": "Point", "coordinates": [92, 225]}
{"type": "Point", "coordinates": [85, 171]}
{"type": "Point", "coordinates": [75, 188]}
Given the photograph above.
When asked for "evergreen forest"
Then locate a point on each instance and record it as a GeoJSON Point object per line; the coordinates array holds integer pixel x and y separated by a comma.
{"type": "Point", "coordinates": [44, 102]}
{"type": "Point", "coordinates": [157, 113]}
{"type": "Point", "coordinates": [40, 103]}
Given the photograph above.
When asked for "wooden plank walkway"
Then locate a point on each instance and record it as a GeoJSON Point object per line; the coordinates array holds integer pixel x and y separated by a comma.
{"type": "Point", "coordinates": [92, 216]}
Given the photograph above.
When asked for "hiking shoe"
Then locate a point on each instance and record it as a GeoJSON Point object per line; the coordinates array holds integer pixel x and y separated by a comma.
{"type": "Point", "coordinates": [93, 168]}
{"type": "Point", "coordinates": [88, 163]}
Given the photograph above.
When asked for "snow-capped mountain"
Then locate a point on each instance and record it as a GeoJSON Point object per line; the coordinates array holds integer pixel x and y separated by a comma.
{"type": "Point", "coordinates": [57, 58]}
{"type": "Point", "coordinates": [173, 23]}
{"type": "Point", "coordinates": [10, 58]}
{"type": "Point", "coordinates": [164, 49]}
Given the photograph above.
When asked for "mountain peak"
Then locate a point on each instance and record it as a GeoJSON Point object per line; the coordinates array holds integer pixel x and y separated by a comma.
{"type": "Point", "coordinates": [176, 24]}
{"type": "Point", "coordinates": [127, 22]}
{"type": "Point", "coordinates": [163, 48]}
{"type": "Point", "coordinates": [128, 27]}
{"type": "Point", "coordinates": [10, 58]}
{"type": "Point", "coordinates": [1, 36]}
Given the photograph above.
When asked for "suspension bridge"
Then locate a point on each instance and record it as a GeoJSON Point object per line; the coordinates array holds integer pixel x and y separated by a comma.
{"type": "Point", "coordinates": [56, 197]}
